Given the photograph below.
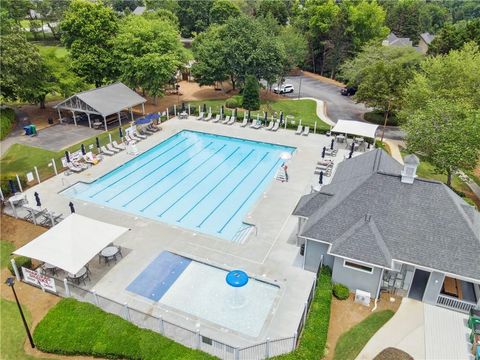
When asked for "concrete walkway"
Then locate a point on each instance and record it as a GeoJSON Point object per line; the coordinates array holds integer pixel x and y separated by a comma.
{"type": "Point", "coordinates": [404, 331]}
{"type": "Point", "coordinates": [394, 146]}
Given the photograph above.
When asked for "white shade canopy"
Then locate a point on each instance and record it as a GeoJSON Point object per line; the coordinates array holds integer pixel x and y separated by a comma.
{"type": "Point", "coordinates": [353, 127]}
{"type": "Point", "coordinates": [72, 243]}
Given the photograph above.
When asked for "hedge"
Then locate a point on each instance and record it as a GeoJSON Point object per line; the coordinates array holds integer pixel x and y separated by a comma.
{"type": "Point", "coordinates": [20, 261]}
{"type": "Point", "coordinates": [341, 292]}
{"type": "Point", "coordinates": [7, 117]}
{"type": "Point", "coordinates": [313, 339]}
{"type": "Point", "coordinates": [77, 328]}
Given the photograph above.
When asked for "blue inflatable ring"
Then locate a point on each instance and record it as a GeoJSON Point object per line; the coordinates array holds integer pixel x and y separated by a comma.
{"type": "Point", "coordinates": [237, 278]}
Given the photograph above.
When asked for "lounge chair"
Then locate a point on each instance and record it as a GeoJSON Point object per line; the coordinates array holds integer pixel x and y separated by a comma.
{"type": "Point", "coordinates": [135, 132]}
{"type": "Point", "coordinates": [244, 122]}
{"type": "Point", "coordinates": [270, 126]}
{"type": "Point", "coordinates": [256, 125]}
{"type": "Point", "coordinates": [145, 131]}
{"type": "Point", "coordinates": [201, 116]}
{"type": "Point", "coordinates": [80, 164]}
{"type": "Point", "coordinates": [276, 126]}
{"type": "Point", "coordinates": [118, 146]}
{"type": "Point", "coordinates": [217, 119]}
{"type": "Point", "coordinates": [48, 216]}
{"type": "Point", "coordinates": [34, 214]}
{"type": "Point", "coordinates": [306, 131]}
{"type": "Point", "coordinates": [299, 130]}
{"type": "Point", "coordinates": [227, 119]}
{"type": "Point", "coordinates": [232, 121]}
{"type": "Point", "coordinates": [90, 158]}
{"type": "Point", "coordinates": [152, 127]}
{"type": "Point", "coordinates": [74, 168]}
{"type": "Point", "coordinates": [110, 147]}
{"type": "Point", "coordinates": [130, 138]}
{"type": "Point", "coordinates": [208, 118]}
{"type": "Point", "coordinates": [106, 152]}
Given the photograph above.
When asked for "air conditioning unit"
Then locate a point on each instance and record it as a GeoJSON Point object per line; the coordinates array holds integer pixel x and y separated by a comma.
{"type": "Point", "coordinates": [362, 297]}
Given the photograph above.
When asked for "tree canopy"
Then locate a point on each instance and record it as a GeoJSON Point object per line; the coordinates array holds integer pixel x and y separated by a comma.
{"type": "Point", "coordinates": [454, 36]}
{"type": "Point", "coordinates": [222, 10]}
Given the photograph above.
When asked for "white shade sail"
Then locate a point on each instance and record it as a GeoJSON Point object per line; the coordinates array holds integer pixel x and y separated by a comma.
{"type": "Point", "coordinates": [353, 127]}
{"type": "Point", "coordinates": [72, 243]}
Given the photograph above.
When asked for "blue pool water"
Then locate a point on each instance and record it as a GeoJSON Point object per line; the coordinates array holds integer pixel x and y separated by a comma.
{"type": "Point", "coordinates": [196, 180]}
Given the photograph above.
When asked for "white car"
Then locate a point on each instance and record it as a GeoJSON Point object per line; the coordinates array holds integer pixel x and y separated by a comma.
{"type": "Point", "coordinates": [284, 89]}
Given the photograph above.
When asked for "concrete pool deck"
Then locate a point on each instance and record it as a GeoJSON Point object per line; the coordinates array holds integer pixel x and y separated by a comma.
{"type": "Point", "coordinates": [269, 254]}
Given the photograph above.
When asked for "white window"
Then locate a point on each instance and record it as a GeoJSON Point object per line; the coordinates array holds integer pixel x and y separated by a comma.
{"type": "Point", "coordinates": [357, 266]}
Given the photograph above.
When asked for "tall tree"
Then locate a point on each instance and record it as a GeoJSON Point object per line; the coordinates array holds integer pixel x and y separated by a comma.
{"type": "Point", "coordinates": [278, 9]}
{"type": "Point", "coordinates": [87, 30]}
{"type": "Point", "coordinates": [251, 93]}
{"type": "Point", "coordinates": [51, 13]}
{"type": "Point", "coordinates": [454, 36]}
{"type": "Point", "coordinates": [441, 110]}
{"type": "Point", "coordinates": [222, 10]}
{"type": "Point", "coordinates": [194, 16]}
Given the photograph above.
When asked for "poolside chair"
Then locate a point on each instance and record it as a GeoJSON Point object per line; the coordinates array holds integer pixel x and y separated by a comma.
{"type": "Point", "coordinates": [80, 164]}
{"type": "Point", "coordinates": [34, 214]}
{"type": "Point", "coordinates": [145, 131]}
{"type": "Point", "coordinates": [270, 126]}
{"type": "Point", "coordinates": [200, 116]}
{"type": "Point", "coordinates": [276, 126]}
{"type": "Point", "coordinates": [244, 122]}
{"type": "Point", "coordinates": [208, 118]}
{"type": "Point", "coordinates": [153, 128]}
{"type": "Point", "coordinates": [299, 130]}
{"type": "Point", "coordinates": [256, 125]}
{"type": "Point", "coordinates": [227, 119]}
{"type": "Point", "coordinates": [135, 133]}
{"type": "Point", "coordinates": [118, 146]}
{"type": "Point", "coordinates": [74, 168]}
{"type": "Point", "coordinates": [106, 152]}
{"type": "Point", "coordinates": [217, 119]}
{"type": "Point", "coordinates": [90, 158]}
{"type": "Point", "coordinates": [232, 121]}
{"type": "Point", "coordinates": [112, 148]}
{"type": "Point", "coordinates": [306, 131]}
{"type": "Point", "coordinates": [50, 216]}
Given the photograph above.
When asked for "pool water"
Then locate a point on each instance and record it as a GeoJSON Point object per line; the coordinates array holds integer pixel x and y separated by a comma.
{"type": "Point", "coordinates": [174, 280]}
{"type": "Point", "coordinates": [199, 181]}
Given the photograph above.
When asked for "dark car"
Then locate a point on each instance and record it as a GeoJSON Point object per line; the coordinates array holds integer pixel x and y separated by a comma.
{"type": "Point", "coordinates": [348, 91]}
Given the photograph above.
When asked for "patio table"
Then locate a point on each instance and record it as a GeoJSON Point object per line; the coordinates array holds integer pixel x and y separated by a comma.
{"type": "Point", "coordinates": [79, 276]}
{"type": "Point", "coordinates": [17, 198]}
{"type": "Point", "coordinates": [110, 253]}
{"type": "Point", "coordinates": [340, 138]}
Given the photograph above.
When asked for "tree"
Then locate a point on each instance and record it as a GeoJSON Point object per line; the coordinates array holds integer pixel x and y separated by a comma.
{"type": "Point", "coordinates": [454, 36]}
{"type": "Point", "coordinates": [148, 52]}
{"type": "Point", "coordinates": [87, 30]}
{"type": "Point", "coordinates": [194, 16]}
{"type": "Point", "coordinates": [251, 93]}
{"type": "Point", "coordinates": [441, 103]}
{"type": "Point", "coordinates": [381, 73]}
{"type": "Point", "coordinates": [296, 47]}
{"type": "Point", "coordinates": [222, 10]}
{"type": "Point", "coordinates": [122, 5]}
{"type": "Point", "coordinates": [278, 9]}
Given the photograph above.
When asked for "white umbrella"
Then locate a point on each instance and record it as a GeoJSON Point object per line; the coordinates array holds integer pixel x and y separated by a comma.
{"type": "Point", "coordinates": [285, 155]}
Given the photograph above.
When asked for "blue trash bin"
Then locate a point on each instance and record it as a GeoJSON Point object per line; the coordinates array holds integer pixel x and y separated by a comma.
{"type": "Point", "coordinates": [28, 130]}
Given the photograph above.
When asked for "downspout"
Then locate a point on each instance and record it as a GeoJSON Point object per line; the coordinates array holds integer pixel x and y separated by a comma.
{"type": "Point", "coordinates": [378, 291]}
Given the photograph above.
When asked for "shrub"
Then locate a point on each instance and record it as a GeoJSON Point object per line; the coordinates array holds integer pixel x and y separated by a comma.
{"type": "Point", "coordinates": [78, 328]}
{"type": "Point", "coordinates": [251, 94]}
{"type": "Point", "coordinates": [7, 117]}
{"type": "Point", "coordinates": [377, 117]}
{"type": "Point", "coordinates": [341, 292]}
{"type": "Point", "coordinates": [234, 102]}
{"type": "Point", "coordinates": [20, 261]}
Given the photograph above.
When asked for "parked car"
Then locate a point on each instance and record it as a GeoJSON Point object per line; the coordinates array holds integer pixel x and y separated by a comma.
{"type": "Point", "coordinates": [348, 91]}
{"type": "Point", "coordinates": [284, 89]}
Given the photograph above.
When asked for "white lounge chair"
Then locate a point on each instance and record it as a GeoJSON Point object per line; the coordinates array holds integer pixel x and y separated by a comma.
{"type": "Point", "coordinates": [306, 131]}
{"type": "Point", "coordinates": [90, 158]}
{"type": "Point", "coordinates": [106, 152]}
{"type": "Point", "coordinates": [118, 146]}
{"type": "Point", "coordinates": [131, 137]}
{"type": "Point", "coordinates": [73, 167]}
{"type": "Point", "coordinates": [112, 148]}
{"type": "Point", "coordinates": [200, 116]}
{"type": "Point", "coordinates": [244, 122]}
{"type": "Point", "coordinates": [256, 125]}
{"type": "Point", "coordinates": [299, 130]}
{"type": "Point", "coordinates": [270, 126]}
{"type": "Point", "coordinates": [227, 119]}
{"type": "Point", "coordinates": [208, 118]}
{"type": "Point", "coordinates": [152, 128]}
{"type": "Point", "coordinates": [217, 119]}
{"type": "Point", "coordinates": [232, 121]}
{"type": "Point", "coordinates": [135, 132]}
{"type": "Point", "coordinates": [276, 126]}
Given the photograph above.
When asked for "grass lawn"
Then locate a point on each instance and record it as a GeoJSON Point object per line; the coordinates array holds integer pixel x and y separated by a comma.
{"type": "Point", "coordinates": [60, 51]}
{"type": "Point", "coordinates": [6, 248]}
{"type": "Point", "coordinates": [305, 110]}
{"type": "Point", "coordinates": [77, 328]}
{"type": "Point", "coordinates": [352, 342]}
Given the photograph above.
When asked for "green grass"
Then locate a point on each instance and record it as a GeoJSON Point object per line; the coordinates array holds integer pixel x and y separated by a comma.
{"type": "Point", "coordinates": [377, 117]}
{"type": "Point", "coordinates": [60, 51]}
{"type": "Point", "coordinates": [6, 248]}
{"type": "Point", "coordinates": [77, 328]}
{"type": "Point", "coordinates": [305, 110]}
{"type": "Point", "coordinates": [7, 119]}
{"type": "Point", "coordinates": [314, 336]}
{"type": "Point", "coordinates": [353, 341]}
{"type": "Point", "coordinates": [12, 332]}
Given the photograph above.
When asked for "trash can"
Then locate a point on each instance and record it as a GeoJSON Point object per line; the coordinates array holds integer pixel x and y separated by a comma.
{"type": "Point", "coordinates": [50, 121]}
{"type": "Point", "coordinates": [28, 130]}
{"type": "Point", "coordinates": [33, 130]}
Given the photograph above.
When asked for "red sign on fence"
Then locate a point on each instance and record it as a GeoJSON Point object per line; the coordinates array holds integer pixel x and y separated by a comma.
{"type": "Point", "coordinates": [35, 278]}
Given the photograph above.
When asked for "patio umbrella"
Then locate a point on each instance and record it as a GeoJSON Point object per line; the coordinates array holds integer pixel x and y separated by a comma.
{"type": "Point", "coordinates": [368, 147]}
{"type": "Point", "coordinates": [281, 118]}
{"type": "Point", "coordinates": [120, 132]}
{"type": "Point", "coordinates": [37, 199]}
{"type": "Point", "coordinates": [97, 142]}
{"type": "Point", "coordinates": [248, 116]}
{"type": "Point", "coordinates": [12, 186]}
{"type": "Point", "coordinates": [323, 152]}
{"type": "Point", "coordinates": [265, 119]}
{"type": "Point", "coordinates": [320, 178]}
{"type": "Point", "coordinates": [72, 208]}
{"type": "Point", "coordinates": [331, 144]}
{"type": "Point", "coordinates": [353, 147]}
{"type": "Point", "coordinates": [285, 155]}
{"type": "Point", "coordinates": [82, 147]}
{"type": "Point", "coordinates": [67, 156]}
{"type": "Point", "coordinates": [204, 108]}
{"type": "Point", "coordinates": [222, 111]}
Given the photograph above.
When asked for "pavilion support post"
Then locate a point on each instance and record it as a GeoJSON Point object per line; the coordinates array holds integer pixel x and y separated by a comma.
{"type": "Point", "coordinates": [175, 110]}
{"type": "Point", "coordinates": [67, 289]}
{"type": "Point", "coordinates": [59, 115]}
{"type": "Point", "coordinates": [19, 183]}
{"type": "Point", "coordinates": [105, 122]}
{"type": "Point", "coordinates": [143, 108]}
{"type": "Point", "coordinates": [119, 119]}
{"type": "Point", "coordinates": [131, 114]}
{"type": "Point", "coordinates": [15, 269]}
{"type": "Point", "coordinates": [89, 121]}
{"type": "Point", "coordinates": [74, 118]}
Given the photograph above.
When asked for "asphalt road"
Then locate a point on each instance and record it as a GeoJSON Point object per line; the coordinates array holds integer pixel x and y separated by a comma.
{"type": "Point", "coordinates": [338, 106]}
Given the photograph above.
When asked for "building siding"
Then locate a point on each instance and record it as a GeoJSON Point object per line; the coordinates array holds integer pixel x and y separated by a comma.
{"type": "Point", "coordinates": [434, 285]}
{"type": "Point", "coordinates": [355, 279]}
{"type": "Point", "coordinates": [313, 253]}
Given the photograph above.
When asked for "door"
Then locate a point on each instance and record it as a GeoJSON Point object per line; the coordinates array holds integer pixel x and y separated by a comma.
{"type": "Point", "coordinates": [419, 283]}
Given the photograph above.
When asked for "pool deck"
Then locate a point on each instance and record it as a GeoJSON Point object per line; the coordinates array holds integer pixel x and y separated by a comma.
{"type": "Point", "coordinates": [271, 254]}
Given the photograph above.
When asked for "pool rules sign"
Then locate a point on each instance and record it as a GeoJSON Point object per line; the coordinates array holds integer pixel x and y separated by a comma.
{"type": "Point", "coordinates": [35, 278]}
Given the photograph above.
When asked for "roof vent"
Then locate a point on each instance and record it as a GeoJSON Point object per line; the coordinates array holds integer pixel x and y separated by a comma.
{"type": "Point", "coordinates": [368, 217]}
{"type": "Point", "coordinates": [409, 172]}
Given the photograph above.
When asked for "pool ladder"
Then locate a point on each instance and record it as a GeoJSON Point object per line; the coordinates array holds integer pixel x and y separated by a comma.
{"type": "Point", "coordinates": [242, 234]}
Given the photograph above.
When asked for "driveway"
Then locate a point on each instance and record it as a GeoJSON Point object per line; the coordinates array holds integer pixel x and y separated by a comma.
{"type": "Point", "coordinates": [338, 106]}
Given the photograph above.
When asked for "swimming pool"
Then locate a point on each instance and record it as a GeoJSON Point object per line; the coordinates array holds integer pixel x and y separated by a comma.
{"type": "Point", "coordinates": [196, 180]}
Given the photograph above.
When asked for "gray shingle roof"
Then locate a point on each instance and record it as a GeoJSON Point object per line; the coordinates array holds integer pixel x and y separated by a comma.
{"type": "Point", "coordinates": [308, 204]}
{"type": "Point", "coordinates": [423, 223]}
{"type": "Point", "coordinates": [427, 37]}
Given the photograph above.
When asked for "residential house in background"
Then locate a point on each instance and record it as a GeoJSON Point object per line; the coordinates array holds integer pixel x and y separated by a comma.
{"type": "Point", "coordinates": [381, 228]}
{"type": "Point", "coordinates": [423, 43]}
